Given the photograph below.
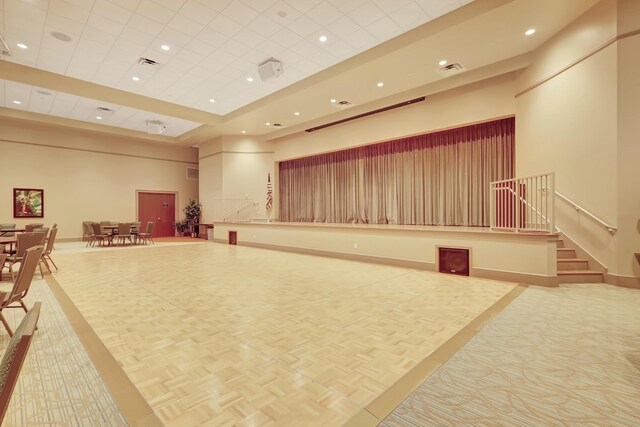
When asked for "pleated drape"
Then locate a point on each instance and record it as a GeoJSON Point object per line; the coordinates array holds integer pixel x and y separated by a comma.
{"type": "Point", "coordinates": [440, 178]}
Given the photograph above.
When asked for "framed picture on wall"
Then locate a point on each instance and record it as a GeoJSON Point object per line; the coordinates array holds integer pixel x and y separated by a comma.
{"type": "Point", "coordinates": [28, 203]}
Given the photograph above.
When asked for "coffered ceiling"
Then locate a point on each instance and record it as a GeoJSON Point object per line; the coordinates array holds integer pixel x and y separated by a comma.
{"type": "Point", "coordinates": [70, 57]}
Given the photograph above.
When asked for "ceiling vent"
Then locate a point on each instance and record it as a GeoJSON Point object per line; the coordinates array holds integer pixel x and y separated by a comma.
{"type": "Point", "coordinates": [277, 125]}
{"type": "Point", "coordinates": [155, 127]}
{"type": "Point", "coordinates": [343, 105]}
{"type": "Point", "coordinates": [270, 69]}
{"type": "Point", "coordinates": [451, 69]}
{"type": "Point", "coordinates": [147, 63]}
{"type": "Point", "coordinates": [4, 47]}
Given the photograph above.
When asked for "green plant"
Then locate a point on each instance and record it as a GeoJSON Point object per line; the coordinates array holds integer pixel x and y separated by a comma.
{"type": "Point", "coordinates": [182, 226]}
{"type": "Point", "coordinates": [192, 211]}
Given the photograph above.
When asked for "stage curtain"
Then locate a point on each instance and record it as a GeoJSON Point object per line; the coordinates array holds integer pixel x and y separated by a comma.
{"type": "Point", "coordinates": [440, 178]}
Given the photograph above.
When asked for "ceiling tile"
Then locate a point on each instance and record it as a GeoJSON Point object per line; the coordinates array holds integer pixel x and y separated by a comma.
{"type": "Point", "coordinates": [265, 26]}
{"type": "Point", "coordinates": [282, 13]}
{"type": "Point", "coordinates": [367, 14]}
{"type": "Point", "coordinates": [174, 5]}
{"type": "Point", "coordinates": [384, 29]}
{"type": "Point", "coordinates": [259, 5]}
{"type": "Point", "coordinates": [212, 37]}
{"type": "Point", "coordinates": [185, 25]}
{"type": "Point", "coordinates": [105, 25]}
{"type": "Point", "coordinates": [112, 11]}
{"type": "Point", "coordinates": [225, 25]}
{"type": "Point", "coordinates": [361, 40]}
{"type": "Point", "coordinates": [409, 16]}
{"type": "Point", "coordinates": [248, 37]}
{"type": "Point", "coordinates": [198, 12]}
{"type": "Point", "coordinates": [270, 49]}
{"type": "Point", "coordinates": [388, 6]}
{"type": "Point", "coordinates": [436, 8]}
{"type": "Point", "coordinates": [347, 6]}
{"type": "Point", "coordinates": [200, 47]}
{"type": "Point", "coordinates": [240, 13]}
{"type": "Point", "coordinates": [304, 6]}
{"type": "Point", "coordinates": [143, 24]}
{"type": "Point", "coordinates": [304, 27]}
{"type": "Point", "coordinates": [285, 37]}
{"type": "Point", "coordinates": [174, 38]}
{"type": "Point", "coordinates": [235, 48]}
{"type": "Point", "coordinates": [343, 27]}
{"type": "Point", "coordinates": [324, 14]}
{"type": "Point", "coordinates": [69, 10]}
{"type": "Point", "coordinates": [155, 11]}
{"type": "Point", "coordinates": [131, 5]}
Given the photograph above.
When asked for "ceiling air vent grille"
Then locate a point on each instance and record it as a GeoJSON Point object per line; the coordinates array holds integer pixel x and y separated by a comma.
{"type": "Point", "coordinates": [193, 173]}
{"type": "Point", "coordinates": [343, 105]}
{"type": "Point", "coordinates": [451, 69]}
{"type": "Point", "coordinates": [147, 63]}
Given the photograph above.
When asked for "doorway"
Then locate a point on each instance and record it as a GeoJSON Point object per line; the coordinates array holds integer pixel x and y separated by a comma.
{"type": "Point", "coordinates": [160, 208]}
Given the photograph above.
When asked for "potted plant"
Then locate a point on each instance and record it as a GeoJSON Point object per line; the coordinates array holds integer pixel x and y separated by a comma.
{"type": "Point", "coordinates": [192, 212]}
{"type": "Point", "coordinates": [182, 227]}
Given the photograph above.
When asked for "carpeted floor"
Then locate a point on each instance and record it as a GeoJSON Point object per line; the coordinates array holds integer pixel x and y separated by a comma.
{"type": "Point", "coordinates": [568, 356]}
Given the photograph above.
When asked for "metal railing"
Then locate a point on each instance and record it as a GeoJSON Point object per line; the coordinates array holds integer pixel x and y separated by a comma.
{"type": "Point", "coordinates": [611, 228]}
{"type": "Point", "coordinates": [524, 204]}
{"type": "Point", "coordinates": [234, 209]}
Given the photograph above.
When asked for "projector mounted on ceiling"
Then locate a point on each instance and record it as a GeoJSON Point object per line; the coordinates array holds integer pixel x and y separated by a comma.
{"type": "Point", "coordinates": [155, 127]}
{"type": "Point", "coordinates": [270, 69]}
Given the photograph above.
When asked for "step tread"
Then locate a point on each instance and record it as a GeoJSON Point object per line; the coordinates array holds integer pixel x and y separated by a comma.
{"type": "Point", "coordinates": [573, 260]}
{"type": "Point", "coordinates": [578, 272]}
{"type": "Point", "coordinates": [565, 249]}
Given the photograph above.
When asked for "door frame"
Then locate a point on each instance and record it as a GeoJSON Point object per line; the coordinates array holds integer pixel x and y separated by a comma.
{"type": "Point", "coordinates": [176, 195]}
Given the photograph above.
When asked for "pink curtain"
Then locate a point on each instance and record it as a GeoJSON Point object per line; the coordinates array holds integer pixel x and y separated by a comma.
{"type": "Point", "coordinates": [440, 178]}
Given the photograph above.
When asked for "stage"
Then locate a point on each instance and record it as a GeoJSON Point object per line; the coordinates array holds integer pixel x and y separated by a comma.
{"type": "Point", "coordinates": [528, 258]}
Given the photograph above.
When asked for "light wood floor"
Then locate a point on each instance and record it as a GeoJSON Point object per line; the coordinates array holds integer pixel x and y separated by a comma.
{"type": "Point", "coordinates": [212, 334]}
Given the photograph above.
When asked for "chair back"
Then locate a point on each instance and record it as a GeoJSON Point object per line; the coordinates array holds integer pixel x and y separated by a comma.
{"type": "Point", "coordinates": [55, 225]}
{"type": "Point", "coordinates": [51, 241]}
{"type": "Point", "coordinates": [30, 227]}
{"type": "Point", "coordinates": [25, 274]}
{"type": "Point", "coordinates": [150, 226]}
{"type": "Point", "coordinates": [26, 241]}
{"type": "Point", "coordinates": [14, 356]}
{"type": "Point", "coordinates": [136, 226]}
{"type": "Point", "coordinates": [124, 228]}
{"type": "Point", "coordinates": [44, 230]}
{"type": "Point", "coordinates": [87, 227]}
{"type": "Point", "coordinates": [96, 229]}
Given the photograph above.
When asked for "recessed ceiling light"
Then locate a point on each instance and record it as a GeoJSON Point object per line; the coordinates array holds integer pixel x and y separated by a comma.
{"type": "Point", "coordinates": [380, 84]}
{"type": "Point", "coordinates": [212, 100]}
{"type": "Point", "coordinates": [17, 102]}
{"type": "Point", "coordinates": [135, 78]}
{"type": "Point", "coordinates": [249, 79]}
{"type": "Point", "coordinates": [268, 124]}
{"type": "Point", "coordinates": [22, 46]}
{"type": "Point", "coordinates": [282, 14]}
{"type": "Point", "coordinates": [443, 62]}
{"type": "Point", "coordinates": [530, 31]}
{"type": "Point", "coordinates": [333, 101]}
{"type": "Point", "coordinates": [60, 36]}
{"type": "Point", "coordinates": [165, 47]}
{"type": "Point", "coordinates": [297, 113]}
{"type": "Point", "coordinates": [243, 131]}
{"type": "Point", "coordinates": [322, 38]}
{"type": "Point", "coordinates": [43, 92]}
{"type": "Point", "coordinates": [99, 117]}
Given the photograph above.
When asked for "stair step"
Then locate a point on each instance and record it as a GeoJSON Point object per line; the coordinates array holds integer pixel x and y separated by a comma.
{"type": "Point", "coordinates": [580, 276]}
{"type": "Point", "coordinates": [560, 243]}
{"type": "Point", "coordinates": [573, 264]}
{"type": "Point", "coordinates": [566, 253]}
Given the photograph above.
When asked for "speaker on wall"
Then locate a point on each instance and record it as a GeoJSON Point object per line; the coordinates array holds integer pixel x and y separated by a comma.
{"type": "Point", "coordinates": [454, 261]}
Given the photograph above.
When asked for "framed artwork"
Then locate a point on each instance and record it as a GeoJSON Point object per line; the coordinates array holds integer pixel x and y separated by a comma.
{"type": "Point", "coordinates": [28, 203]}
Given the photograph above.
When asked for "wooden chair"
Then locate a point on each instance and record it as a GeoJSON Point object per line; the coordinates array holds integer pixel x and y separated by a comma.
{"type": "Point", "coordinates": [14, 357]}
{"type": "Point", "coordinates": [24, 242]}
{"type": "Point", "coordinates": [147, 236]}
{"type": "Point", "coordinates": [21, 285]}
{"type": "Point", "coordinates": [3, 258]}
{"type": "Point", "coordinates": [46, 254]}
{"type": "Point", "coordinates": [30, 227]}
{"type": "Point", "coordinates": [124, 232]}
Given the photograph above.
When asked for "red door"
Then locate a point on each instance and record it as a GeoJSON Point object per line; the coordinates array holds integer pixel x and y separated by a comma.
{"type": "Point", "coordinates": [159, 208]}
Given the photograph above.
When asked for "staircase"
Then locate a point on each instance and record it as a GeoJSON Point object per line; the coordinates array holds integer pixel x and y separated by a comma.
{"type": "Point", "coordinates": [575, 270]}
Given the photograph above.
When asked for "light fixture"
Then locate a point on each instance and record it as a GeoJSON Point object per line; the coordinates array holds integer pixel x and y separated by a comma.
{"type": "Point", "coordinates": [99, 117]}
{"type": "Point", "coordinates": [322, 38]}
{"type": "Point", "coordinates": [249, 79]}
{"type": "Point", "coordinates": [380, 84]}
{"type": "Point", "coordinates": [212, 100]}
{"type": "Point", "coordinates": [165, 47]}
{"type": "Point", "coordinates": [530, 31]}
{"type": "Point", "coordinates": [297, 113]}
{"type": "Point", "coordinates": [268, 124]}
{"type": "Point", "coordinates": [22, 46]}
{"type": "Point", "coordinates": [60, 36]}
{"type": "Point", "coordinates": [442, 62]}
{"type": "Point", "coordinates": [333, 101]}
{"type": "Point", "coordinates": [243, 131]}
{"type": "Point", "coordinates": [155, 127]}
{"type": "Point", "coordinates": [135, 78]}
{"type": "Point", "coordinates": [17, 102]}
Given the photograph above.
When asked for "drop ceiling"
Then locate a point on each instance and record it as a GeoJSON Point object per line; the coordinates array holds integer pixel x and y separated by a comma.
{"type": "Point", "coordinates": [199, 87]}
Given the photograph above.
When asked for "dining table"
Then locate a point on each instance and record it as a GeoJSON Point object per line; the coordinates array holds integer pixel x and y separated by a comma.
{"type": "Point", "coordinates": [4, 231]}
{"type": "Point", "coordinates": [8, 241]}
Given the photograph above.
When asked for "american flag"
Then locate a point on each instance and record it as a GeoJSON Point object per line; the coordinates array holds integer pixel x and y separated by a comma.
{"type": "Point", "coordinates": [269, 203]}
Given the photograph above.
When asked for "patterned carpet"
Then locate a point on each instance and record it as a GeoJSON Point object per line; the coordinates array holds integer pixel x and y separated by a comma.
{"type": "Point", "coordinates": [568, 356]}
{"type": "Point", "coordinates": [59, 385]}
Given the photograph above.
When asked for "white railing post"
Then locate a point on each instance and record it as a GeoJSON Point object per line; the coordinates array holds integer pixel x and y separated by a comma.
{"type": "Point", "coordinates": [551, 195]}
{"type": "Point", "coordinates": [517, 208]}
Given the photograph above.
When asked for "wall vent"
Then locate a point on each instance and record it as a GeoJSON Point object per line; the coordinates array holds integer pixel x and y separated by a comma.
{"type": "Point", "coordinates": [451, 69]}
{"type": "Point", "coordinates": [343, 105]}
{"type": "Point", "coordinates": [193, 173]}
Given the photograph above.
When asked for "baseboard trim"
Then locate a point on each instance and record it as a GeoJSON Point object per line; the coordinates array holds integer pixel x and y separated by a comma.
{"type": "Point", "coordinates": [622, 281]}
{"type": "Point", "coordinates": [511, 276]}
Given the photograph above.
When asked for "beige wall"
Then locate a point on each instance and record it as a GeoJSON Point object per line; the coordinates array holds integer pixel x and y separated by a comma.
{"type": "Point", "coordinates": [481, 101]}
{"type": "Point", "coordinates": [85, 175]}
{"type": "Point", "coordinates": [235, 167]}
